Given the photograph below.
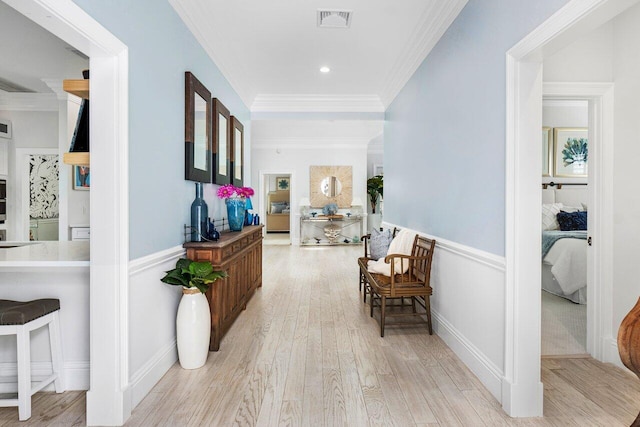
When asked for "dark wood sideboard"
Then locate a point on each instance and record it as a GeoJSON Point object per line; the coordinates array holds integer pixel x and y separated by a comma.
{"type": "Point", "coordinates": [239, 253]}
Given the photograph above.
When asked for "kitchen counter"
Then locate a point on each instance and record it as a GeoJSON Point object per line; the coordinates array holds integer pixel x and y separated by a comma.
{"type": "Point", "coordinates": [44, 254]}
{"type": "Point", "coordinates": [33, 270]}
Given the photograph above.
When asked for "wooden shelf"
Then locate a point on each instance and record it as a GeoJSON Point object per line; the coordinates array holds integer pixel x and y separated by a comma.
{"type": "Point", "coordinates": [79, 159]}
{"type": "Point", "coordinates": [77, 87]}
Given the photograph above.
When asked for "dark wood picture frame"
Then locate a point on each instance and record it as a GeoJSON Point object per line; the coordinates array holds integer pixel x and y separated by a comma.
{"type": "Point", "coordinates": [237, 152]}
{"type": "Point", "coordinates": [197, 130]}
{"type": "Point", "coordinates": [221, 119]}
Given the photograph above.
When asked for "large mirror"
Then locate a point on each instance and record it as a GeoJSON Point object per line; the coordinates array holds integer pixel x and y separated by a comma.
{"type": "Point", "coordinates": [237, 155]}
{"type": "Point", "coordinates": [330, 184]}
{"type": "Point", "coordinates": [197, 130]}
{"type": "Point", "coordinates": [222, 147]}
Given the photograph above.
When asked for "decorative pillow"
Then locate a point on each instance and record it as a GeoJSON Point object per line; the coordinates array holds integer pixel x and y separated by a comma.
{"type": "Point", "coordinates": [549, 212]}
{"type": "Point", "coordinates": [277, 207]}
{"type": "Point", "coordinates": [570, 221]}
{"type": "Point", "coordinates": [379, 243]}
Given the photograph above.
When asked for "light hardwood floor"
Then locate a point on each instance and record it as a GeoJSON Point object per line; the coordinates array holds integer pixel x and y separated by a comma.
{"type": "Point", "coordinates": [306, 353]}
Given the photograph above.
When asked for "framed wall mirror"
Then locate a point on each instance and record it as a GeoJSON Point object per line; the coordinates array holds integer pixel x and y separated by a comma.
{"type": "Point", "coordinates": [221, 144]}
{"type": "Point", "coordinates": [330, 184]}
{"type": "Point", "coordinates": [197, 130]}
{"type": "Point", "coordinates": [237, 151]}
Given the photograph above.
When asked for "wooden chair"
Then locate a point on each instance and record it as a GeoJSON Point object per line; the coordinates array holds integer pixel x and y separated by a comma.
{"type": "Point", "coordinates": [414, 284]}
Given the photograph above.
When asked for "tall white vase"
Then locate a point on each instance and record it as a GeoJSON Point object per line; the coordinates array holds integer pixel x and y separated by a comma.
{"type": "Point", "coordinates": [193, 328]}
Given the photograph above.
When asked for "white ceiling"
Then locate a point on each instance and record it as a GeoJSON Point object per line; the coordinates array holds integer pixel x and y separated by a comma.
{"type": "Point", "coordinates": [271, 51]}
{"type": "Point", "coordinates": [30, 53]}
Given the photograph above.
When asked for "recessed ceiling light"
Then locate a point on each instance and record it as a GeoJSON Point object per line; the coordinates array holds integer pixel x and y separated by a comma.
{"type": "Point", "coordinates": [325, 69]}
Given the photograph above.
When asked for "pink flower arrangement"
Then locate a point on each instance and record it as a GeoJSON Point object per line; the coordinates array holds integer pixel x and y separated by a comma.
{"type": "Point", "coordinates": [229, 191]}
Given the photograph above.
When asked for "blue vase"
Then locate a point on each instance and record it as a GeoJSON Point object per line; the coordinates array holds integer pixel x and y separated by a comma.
{"type": "Point", "coordinates": [199, 215]}
{"type": "Point", "coordinates": [235, 213]}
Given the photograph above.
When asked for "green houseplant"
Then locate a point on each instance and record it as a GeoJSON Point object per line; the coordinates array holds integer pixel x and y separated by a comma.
{"type": "Point", "coordinates": [375, 185]}
{"type": "Point", "coordinates": [192, 274]}
{"type": "Point", "coordinates": [193, 320]}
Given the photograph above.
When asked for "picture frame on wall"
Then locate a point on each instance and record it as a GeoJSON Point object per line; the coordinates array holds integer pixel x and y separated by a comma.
{"type": "Point", "coordinates": [237, 151]}
{"type": "Point", "coordinates": [547, 151]}
{"type": "Point", "coordinates": [570, 152]}
{"type": "Point", "coordinates": [221, 143]}
{"type": "Point", "coordinates": [282, 183]}
{"type": "Point", "coordinates": [197, 131]}
{"type": "Point", "coordinates": [81, 178]}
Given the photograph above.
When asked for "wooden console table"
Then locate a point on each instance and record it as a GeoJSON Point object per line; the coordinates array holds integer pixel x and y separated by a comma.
{"type": "Point", "coordinates": [239, 253]}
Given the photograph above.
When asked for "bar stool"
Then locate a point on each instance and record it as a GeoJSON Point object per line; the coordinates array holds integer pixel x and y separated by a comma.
{"type": "Point", "coordinates": [19, 319]}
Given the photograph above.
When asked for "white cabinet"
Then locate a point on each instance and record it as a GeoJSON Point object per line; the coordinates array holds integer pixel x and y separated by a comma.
{"type": "Point", "coordinates": [80, 233]}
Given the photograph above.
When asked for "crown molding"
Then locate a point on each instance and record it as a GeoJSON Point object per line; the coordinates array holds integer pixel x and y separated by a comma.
{"type": "Point", "coordinates": [425, 37]}
{"type": "Point", "coordinates": [309, 143]}
{"type": "Point", "coordinates": [14, 101]}
{"type": "Point", "coordinates": [317, 103]}
{"type": "Point", "coordinates": [198, 33]}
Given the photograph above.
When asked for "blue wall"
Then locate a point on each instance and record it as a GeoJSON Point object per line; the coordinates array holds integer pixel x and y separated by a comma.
{"type": "Point", "coordinates": [445, 132]}
{"type": "Point", "coordinates": [161, 49]}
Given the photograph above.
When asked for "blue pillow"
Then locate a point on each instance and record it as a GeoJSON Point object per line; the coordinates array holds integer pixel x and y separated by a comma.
{"type": "Point", "coordinates": [570, 221]}
{"type": "Point", "coordinates": [379, 243]}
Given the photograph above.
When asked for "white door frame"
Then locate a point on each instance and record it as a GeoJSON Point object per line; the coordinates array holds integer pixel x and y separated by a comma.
{"type": "Point", "coordinates": [262, 208]}
{"type": "Point", "coordinates": [108, 399]}
{"type": "Point", "coordinates": [600, 202]}
{"type": "Point", "coordinates": [522, 391]}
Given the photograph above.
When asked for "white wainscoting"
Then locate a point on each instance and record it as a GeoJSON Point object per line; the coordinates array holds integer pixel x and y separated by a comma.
{"type": "Point", "coordinates": [152, 326]}
{"type": "Point", "coordinates": [468, 307]}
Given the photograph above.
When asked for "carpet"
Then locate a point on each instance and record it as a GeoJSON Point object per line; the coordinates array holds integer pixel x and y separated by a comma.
{"type": "Point", "coordinates": [564, 326]}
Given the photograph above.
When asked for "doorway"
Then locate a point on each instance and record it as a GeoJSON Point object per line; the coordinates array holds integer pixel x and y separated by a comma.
{"type": "Point", "coordinates": [564, 195]}
{"type": "Point", "coordinates": [277, 208]}
{"type": "Point", "coordinates": [522, 389]}
{"type": "Point", "coordinates": [108, 400]}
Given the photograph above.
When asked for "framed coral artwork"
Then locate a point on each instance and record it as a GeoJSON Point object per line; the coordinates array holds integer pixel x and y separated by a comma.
{"type": "Point", "coordinates": [570, 152]}
{"type": "Point", "coordinates": [282, 183]}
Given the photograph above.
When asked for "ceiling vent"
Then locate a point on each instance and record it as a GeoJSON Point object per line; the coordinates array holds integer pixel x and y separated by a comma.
{"type": "Point", "coordinates": [334, 18]}
{"type": "Point", "coordinates": [9, 86]}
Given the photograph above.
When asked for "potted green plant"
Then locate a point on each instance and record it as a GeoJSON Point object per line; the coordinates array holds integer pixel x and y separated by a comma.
{"type": "Point", "coordinates": [375, 186]}
{"type": "Point", "coordinates": [193, 320]}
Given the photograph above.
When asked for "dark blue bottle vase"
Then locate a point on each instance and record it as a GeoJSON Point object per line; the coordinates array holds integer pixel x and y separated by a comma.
{"type": "Point", "coordinates": [199, 215]}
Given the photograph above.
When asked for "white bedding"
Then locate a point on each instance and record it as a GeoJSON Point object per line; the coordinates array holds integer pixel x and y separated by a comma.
{"type": "Point", "coordinates": [567, 259]}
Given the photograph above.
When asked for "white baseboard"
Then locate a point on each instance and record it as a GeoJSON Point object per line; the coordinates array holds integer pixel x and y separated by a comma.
{"type": "Point", "coordinates": [76, 375]}
{"type": "Point", "coordinates": [159, 352]}
{"type": "Point", "coordinates": [486, 371]}
{"type": "Point", "coordinates": [146, 377]}
{"type": "Point", "coordinates": [468, 284]}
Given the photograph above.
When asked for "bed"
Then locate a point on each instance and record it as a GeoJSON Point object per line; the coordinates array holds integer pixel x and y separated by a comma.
{"type": "Point", "coordinates": [564, 253]}
{"type": "Point", "coordinates": [278, 212]}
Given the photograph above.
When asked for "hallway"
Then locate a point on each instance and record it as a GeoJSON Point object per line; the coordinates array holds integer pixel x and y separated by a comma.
{"type": "Point", "coordinates": [306, 352]}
